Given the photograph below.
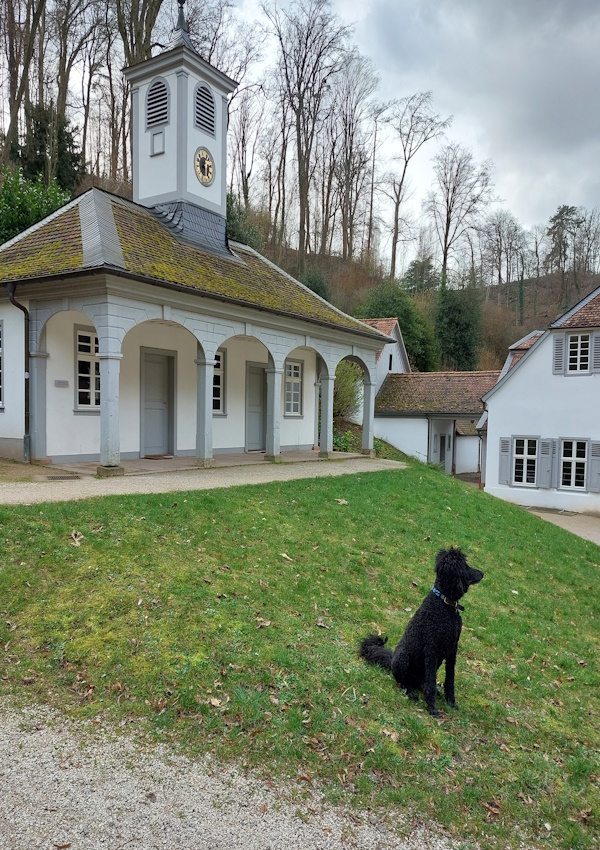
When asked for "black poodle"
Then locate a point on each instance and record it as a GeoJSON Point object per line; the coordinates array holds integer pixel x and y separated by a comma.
{"type": "Point", "coordinates": [431, 635]}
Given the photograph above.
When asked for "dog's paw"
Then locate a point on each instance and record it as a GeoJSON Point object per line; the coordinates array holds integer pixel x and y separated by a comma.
{"type": "Point", "coordinates": [413, 695]}
{"type": "Point", "coordinates": [452, 703]}
{"type": "Point", "coordinates": [433, 711]}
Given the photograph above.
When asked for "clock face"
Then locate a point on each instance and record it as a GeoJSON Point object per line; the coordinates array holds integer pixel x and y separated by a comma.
{"type": "Point", "coordinates": [204, 166]}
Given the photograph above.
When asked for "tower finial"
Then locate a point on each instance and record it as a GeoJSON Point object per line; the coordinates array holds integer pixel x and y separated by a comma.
{"type": "Point", "coordinates": [181, 21]}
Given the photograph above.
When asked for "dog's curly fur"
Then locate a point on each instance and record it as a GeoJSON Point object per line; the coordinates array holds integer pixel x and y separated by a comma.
{"type": "Point", "coordinates": [432, 634]}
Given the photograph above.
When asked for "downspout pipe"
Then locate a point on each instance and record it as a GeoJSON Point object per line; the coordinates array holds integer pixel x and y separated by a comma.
{"type": "Point", "coordinates": [11, 287]}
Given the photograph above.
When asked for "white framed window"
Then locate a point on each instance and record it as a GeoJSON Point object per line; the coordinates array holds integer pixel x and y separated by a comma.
{"type": "Point", "coordinates": [524, 462]}
{"type": "Point", "coordinates": [219, 383]}
{"type": "Point", "coordinates": [578, 353]}
{"type": "Point", "coordinates": [87, 370]}
{"type": "Point", "coordinates": [1, 363]}
{"type": "Point", "coordinates": [293, 388]}
{"type": "Point", "coordinates": [573, 464]}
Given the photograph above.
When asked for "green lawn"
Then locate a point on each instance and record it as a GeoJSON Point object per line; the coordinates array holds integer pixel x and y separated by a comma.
{"type": "Point", "coordinates": [228, 621]}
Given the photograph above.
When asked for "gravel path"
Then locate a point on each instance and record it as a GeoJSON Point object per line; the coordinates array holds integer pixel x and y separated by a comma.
{"type": "Point", "coordinates": [66, 785]}
{"type": "Point", "coordinates": [25, 493]}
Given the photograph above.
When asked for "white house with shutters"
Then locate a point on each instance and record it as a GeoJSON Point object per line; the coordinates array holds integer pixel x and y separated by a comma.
{"type": "Point", "coordinates": [542, 444]}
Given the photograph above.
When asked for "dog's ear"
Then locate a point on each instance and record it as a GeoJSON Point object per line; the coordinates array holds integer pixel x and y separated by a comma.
{"type": "Point", "coordinates": [450, 571]}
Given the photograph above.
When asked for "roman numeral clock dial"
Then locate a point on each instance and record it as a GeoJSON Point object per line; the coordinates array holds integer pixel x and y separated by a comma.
{"type": "Point", "coordinates": [204, 166]}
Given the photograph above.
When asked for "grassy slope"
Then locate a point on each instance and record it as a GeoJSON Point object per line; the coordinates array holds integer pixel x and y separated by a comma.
{"type": "Point", "coordinates": [229, 621]}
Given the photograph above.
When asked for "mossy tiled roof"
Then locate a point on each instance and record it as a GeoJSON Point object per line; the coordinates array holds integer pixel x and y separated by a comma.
{"type": "Point", "coordinates": [448, 393]}
{"type": "Point", "coordinates": [51, 248]}
{"type": "Point", "coordinates": [147, 249]}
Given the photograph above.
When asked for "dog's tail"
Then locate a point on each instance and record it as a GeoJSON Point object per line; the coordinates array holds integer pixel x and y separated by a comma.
{"type": "Point", "coordinates": [373, 649]}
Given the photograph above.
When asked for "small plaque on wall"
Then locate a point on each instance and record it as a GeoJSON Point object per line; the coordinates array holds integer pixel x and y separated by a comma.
{"type": "Point", "coordinates": [61, 383]}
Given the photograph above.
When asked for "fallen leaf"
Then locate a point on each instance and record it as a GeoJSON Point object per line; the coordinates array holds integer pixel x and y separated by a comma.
{"type": "Point", "coordinates": [263, 809]}
{"type": "Point", "coordinates": [322, 624]}
{"type": "Point", "coordinates": [215, 702]}
{"type": "Point", "coordinates": [341, 501]}
{"type": "Point", "coordinates": [76, 538]}
{"type": "Point", "coordinates": [151, 796]}
{"type": "Point", "coordinates": [287, 557]}
{"type": "Point", "coordinates": [62, 846]}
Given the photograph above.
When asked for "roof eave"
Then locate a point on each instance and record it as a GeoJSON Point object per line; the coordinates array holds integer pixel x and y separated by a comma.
{"type": "Point", "coordinates": [191, 290]}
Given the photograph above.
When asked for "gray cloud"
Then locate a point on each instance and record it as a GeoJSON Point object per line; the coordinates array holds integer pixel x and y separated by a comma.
{"type": "Point", "coordinates": [520, 77]}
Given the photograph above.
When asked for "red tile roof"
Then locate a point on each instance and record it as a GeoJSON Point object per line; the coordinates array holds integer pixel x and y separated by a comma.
{"type": "Point", "coordinates": [448, 393]}
{"type": "Point", "coordinates": [587, 316]}
{"type": "Point", "coordinates": [386, 326]}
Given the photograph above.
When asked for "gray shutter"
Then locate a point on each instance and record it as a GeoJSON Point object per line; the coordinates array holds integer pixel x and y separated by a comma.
{"type": "Point", "coordinates": [504, 468]}
{"type": "Point", "coordinates": [544, 478]}
{"type": "Point", "coordinates": [596, 352]}
{"type": "Point", "coordinates": [594, 473]}
{"type": "Point", "coordinates": [558, 360]}
{"type": "Point", "coordinates": [555, 463]}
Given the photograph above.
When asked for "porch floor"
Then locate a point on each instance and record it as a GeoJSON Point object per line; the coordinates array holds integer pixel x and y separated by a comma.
{"type": "Point", "coordinates": [148, 466]}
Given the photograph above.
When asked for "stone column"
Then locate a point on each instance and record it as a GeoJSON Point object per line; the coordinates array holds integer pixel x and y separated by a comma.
{"type": "Point", "coordinates": [368, 417]}
{"type": "Point", "coordinates": [273, 436]}
{"type": "Point", "coordinates": [37, 395]}
{"type": "Point", "coordinates": [110, 439]}
{"type": "Point", "coordinates": [326, 442]}
{"type": "Point", "coordinates": [204, 411]}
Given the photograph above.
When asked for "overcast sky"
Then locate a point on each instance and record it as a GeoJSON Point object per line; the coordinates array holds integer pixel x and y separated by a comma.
{"type": "Point", "coordinates": [520, 77]}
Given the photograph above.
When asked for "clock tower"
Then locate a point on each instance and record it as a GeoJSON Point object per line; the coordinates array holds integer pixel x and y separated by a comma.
{"type": "Point", "coordinates": [179, 130]}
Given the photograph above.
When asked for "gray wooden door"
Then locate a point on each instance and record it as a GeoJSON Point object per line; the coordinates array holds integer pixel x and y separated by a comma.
{"type": "Point", "coordinates": [156, 404]}
{"type": "Point", "coordinates": [256, 394]}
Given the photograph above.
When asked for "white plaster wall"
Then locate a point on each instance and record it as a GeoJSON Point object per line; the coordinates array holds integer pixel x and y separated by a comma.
{"type": "Point", "coordinates": [408, 435]}
{"type": "Point", "coordinates": [67, 432]}
{"type": "Point", "coordinates": [467, 454]}
{"type": "Point", "coordinates": [299, 430]}
{"type": "Point", "coordinates": [157, 175]}
{"type": "Point", "coordinates": [12, 414]}
{"type": "Point", "coordinates": [534, 402]}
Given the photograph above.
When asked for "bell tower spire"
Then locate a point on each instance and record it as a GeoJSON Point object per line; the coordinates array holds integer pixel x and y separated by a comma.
{"type": "Point", "coordinates": [179, 129]}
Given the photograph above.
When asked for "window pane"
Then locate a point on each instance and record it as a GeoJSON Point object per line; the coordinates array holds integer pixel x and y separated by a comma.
{"type": "Point", "coordinates": [531, 471]}
{"type": "Point", "coordinates": [581, 448]}
{"type": "Point", "coordinates": [579, 475]}
{"type": "Point", "coordinates": [519, 470]}
{"type": "Point", "coordinates": [519, 446]}
{"type": "Point", "coordinates": [566, 473]}
{"type": "Point", "coordinates": [568, 448]}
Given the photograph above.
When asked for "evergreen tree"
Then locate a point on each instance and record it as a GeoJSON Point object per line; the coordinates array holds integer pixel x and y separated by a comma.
{"type": "Point", "coordinates": [314, 280]}
{"type": "Point", "coordinates": [23, 202]}
{"type": "Point", "coordinates": [49, 148]}
{"type": "Point", "coordinates": [386, 301]}
{"type": "Point", "coordinates": [239, 229]}
{"type": "Point", "coordinates": [458, 328]}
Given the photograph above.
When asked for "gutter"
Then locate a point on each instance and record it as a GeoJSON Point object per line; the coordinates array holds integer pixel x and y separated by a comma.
{"type": "Point", "coordinates": [11, 287]}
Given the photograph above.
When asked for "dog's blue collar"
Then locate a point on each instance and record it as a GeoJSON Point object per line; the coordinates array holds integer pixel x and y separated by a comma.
{"type": "Point", "coordinates": [445, 599]}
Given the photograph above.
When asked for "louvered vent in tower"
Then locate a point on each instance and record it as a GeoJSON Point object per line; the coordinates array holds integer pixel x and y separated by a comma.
{"type": "Point", "coordinates": [157, 104]}
{"type": "Point", "coordinates": [205, 110]}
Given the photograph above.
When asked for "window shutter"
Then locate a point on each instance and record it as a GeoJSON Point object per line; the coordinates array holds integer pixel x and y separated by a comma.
{"type": "Point", "coordinates": [545, 464]}
{"type": "Point", "coordinates": [594, 468]}
{"type": "Point", "coordinates": [205, 110]}
{"type": "Point", "coordinates": [558, 361]}
{"type": "Point", "coordinates": [157, 104]}
{"type": "Point", "coordinates": [504, 468]}
{"type": "Point", "coordinates": [555, 463]}
{"type": "Point", "coordinates": [596, 352]}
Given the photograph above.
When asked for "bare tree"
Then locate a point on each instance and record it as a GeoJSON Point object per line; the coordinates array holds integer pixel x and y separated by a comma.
{"type": "Point", "coordinates": [462, 190]}
{"type": "Point", "coordinates": [244, 132]}
{"type": "Point", "coordinates": [311, 43]}
{"type": "Point", "coordinates": [21, 23]}
{"type": "Point", "coordinates": [136, 20]}
{"type": "Point", "coordinates": [414, 123]}
{"type": "Point", "coordinates": [353, 91]}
